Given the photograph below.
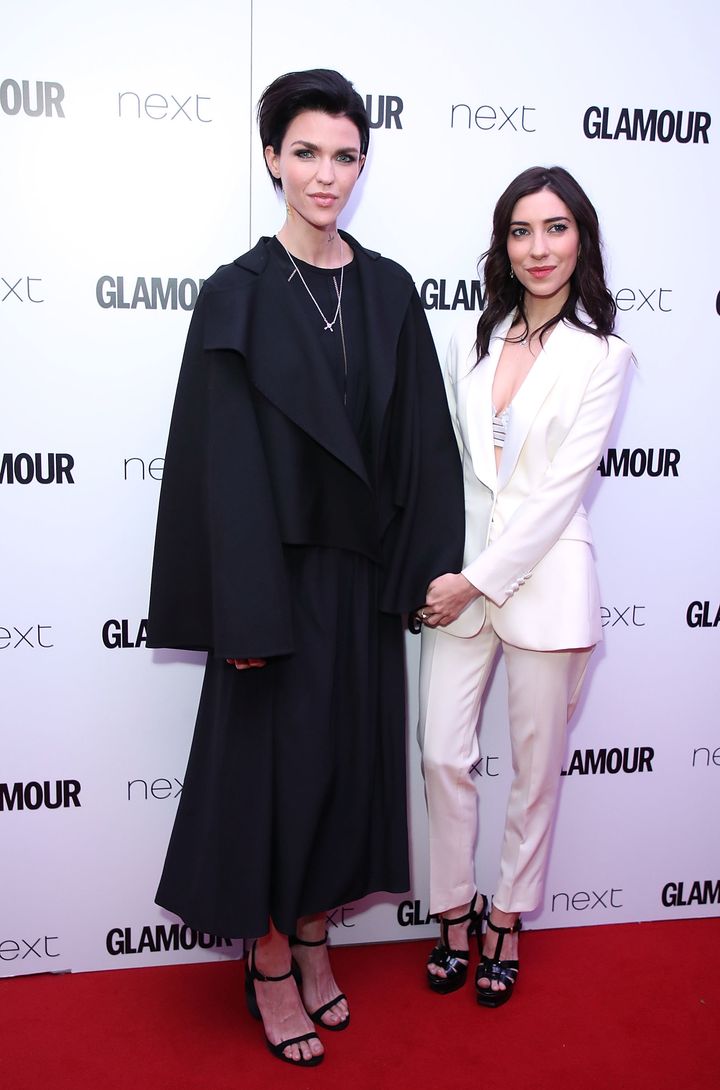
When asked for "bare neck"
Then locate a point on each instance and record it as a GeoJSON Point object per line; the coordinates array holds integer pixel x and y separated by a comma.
{"type": "Point", "coordinates": [538, 311]}
{"type": "Point", "coordinates": [317, 246]}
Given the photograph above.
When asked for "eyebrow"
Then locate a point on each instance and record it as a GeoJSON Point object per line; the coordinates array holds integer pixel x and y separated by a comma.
{"type": "Point", "coordinates": [315, 147]}
{"type": "Point", "coordinates": [551, 219]}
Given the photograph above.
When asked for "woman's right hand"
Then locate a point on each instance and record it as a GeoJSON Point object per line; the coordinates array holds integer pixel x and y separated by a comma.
{"type": "Point", "coordinates": [447, 597]}
{"type": "Point", "coordinates": [245, 664]}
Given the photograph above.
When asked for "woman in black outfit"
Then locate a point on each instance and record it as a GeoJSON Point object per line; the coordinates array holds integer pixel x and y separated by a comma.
{"type": "Point", "coordinates": [312, 490]}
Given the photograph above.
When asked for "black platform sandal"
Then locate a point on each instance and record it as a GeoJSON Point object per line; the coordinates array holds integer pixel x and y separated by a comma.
{"type": "Point", "coordinates": [316, 1016]}
{"type": "Point", "coordinates": [252, 973]}
{"type": "Point", "coordinates": [492, 968]}
{"type": "Point", "coordinates": [454, 962]}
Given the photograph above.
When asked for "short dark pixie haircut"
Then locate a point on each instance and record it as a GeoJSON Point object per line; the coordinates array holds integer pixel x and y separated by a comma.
{"type": "Point", "coordinates": [316, 89]}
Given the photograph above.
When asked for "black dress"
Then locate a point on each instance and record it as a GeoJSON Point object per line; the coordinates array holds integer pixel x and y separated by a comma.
{"type": "Point", "coordinates": [294, 797]}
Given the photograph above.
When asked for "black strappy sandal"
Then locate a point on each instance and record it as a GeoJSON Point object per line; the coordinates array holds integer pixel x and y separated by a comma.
{"type": "Point", "coordinates": [492, 968]}
{"type": "Point", "coordinates": [252, 973]}
{"type": "Point", "coordinates": [316, 1016]}
{"type": "Point", "coordinates": [454, 962]}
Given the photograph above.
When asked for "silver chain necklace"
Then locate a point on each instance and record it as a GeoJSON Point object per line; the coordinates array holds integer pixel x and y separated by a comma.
{"type": "Point", "coordinates": [328, 323]}
{"type": "Point", "coordinates": [342, 339]}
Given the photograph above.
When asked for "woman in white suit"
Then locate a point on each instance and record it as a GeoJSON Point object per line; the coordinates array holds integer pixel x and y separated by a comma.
{"type": "Point", "coordinates": [533, 388]}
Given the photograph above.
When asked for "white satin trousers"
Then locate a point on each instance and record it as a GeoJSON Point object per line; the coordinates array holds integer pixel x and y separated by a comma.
{"type": "Point", "coordinates": [543, 689]}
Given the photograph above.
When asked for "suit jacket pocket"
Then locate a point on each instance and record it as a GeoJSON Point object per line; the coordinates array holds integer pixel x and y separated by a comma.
{"type": "Point", "coordinates": [559, 607]}
{"type": "Point", "coordinates": [578, 529]}
{"type": "Point", "coordinates": [469, 622]}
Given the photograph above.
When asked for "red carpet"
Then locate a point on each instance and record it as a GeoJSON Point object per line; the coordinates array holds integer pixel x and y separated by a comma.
{"type": "Point", "coordinates": [634, 1006]}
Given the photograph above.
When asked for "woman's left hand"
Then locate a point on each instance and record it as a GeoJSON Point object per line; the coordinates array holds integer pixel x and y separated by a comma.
{"type": "Point", "coordinates": [447, 597]}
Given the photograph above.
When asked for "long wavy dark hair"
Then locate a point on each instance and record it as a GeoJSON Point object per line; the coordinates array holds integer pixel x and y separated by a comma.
{"type": "Point", "coordinates": [588, 289]}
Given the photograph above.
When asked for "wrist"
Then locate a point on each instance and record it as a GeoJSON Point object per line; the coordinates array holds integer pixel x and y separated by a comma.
{"type": "Point", "coordinates": [471, 590]}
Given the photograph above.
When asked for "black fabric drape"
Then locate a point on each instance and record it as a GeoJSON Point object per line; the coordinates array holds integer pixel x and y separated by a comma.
{"type": "Point", "coordinates": [257, 426]}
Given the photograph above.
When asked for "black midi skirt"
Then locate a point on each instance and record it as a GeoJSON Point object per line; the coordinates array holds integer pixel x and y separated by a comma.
{"type": "Point", "coordinates": [294, 799]}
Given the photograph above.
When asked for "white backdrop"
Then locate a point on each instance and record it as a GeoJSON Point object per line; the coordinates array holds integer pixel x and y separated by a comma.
{"type": "Point", "coordinates": [131, 169]}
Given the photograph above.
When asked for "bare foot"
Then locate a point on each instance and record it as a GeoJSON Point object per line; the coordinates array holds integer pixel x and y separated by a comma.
{"type": "Point", "coordinates": [281, 1008]}
{"type": "Point", "coordinates": [319, 986]}
{"type": "Point", "coordinates": [509, 951]}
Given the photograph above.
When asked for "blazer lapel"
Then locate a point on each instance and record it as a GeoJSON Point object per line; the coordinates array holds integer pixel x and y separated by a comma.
{"type": "Point", "coordinates": [528, 400]}
{"type": "Point", "coordinates": [478, 408]}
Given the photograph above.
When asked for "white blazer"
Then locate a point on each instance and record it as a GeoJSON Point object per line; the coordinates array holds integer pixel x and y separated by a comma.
{"type": "Point", "coordinates": [528, 545]}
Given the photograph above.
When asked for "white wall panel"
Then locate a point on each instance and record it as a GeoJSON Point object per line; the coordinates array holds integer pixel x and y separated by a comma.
{"type": "Point", "coordinates": [168, 182]}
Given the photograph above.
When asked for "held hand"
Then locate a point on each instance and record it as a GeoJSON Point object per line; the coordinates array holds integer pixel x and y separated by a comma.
{"type": "Point", "coordinates": [447, 597]}
{"type": "Point", "coordinates": [245, 664]}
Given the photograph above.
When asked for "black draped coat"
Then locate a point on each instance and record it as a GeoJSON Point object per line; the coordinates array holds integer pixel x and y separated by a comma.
{"type": "Point", "coordinates": [262, 465]}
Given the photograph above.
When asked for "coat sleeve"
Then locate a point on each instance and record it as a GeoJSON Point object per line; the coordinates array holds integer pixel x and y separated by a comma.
{"type": "Point", "coordinates": [541, 518]}
{"type": "Point", "coordinates": [425, 515]}
{"type": "Point", "coordinates": [218, 581]}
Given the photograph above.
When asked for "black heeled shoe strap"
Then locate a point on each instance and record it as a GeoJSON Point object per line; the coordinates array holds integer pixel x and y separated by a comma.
{"type": "Point", "coordinates": [454, 963]}
{"type": "Point", "coordinates": [517, 926]}
{"type": "Point", "coordinates": [471, 914]}
{"type": "Point", "coordinates": [295, 940]}
{"type": "Point", "coordinates": [442, 954]}
{"type": "Point", "coordinates": [253, 974]}
{"type": "Point", "coordinates": [316, 1016]}
{"type": "Point", "coordinates": [502, 932]}
{"type": "Point", "coordinates": [502, 972]}
{"type": "Point", "coordinates": [279, 1050]}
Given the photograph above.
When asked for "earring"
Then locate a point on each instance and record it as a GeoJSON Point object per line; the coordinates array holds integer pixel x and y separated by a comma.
{"type": "Point", "coordinates": [512, 274]}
